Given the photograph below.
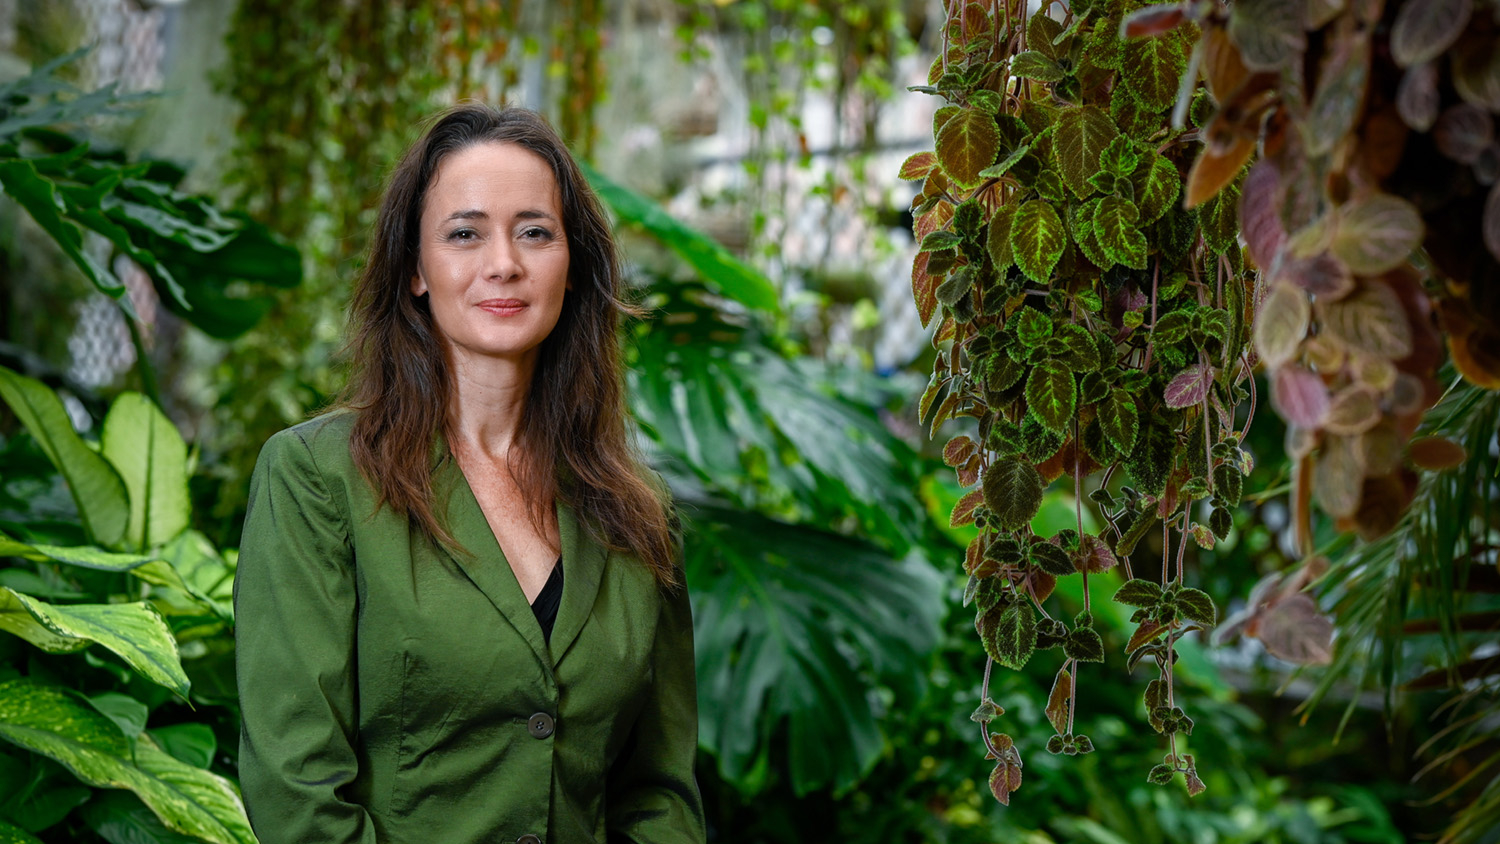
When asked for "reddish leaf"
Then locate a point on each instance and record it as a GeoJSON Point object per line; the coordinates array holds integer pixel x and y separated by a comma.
{"type": "Point", "coordinates": [1354, 410]}
{"type": "Point", "coordinates": [923, 288]}
{"type": "Point", "coordinates": [1189, 387]}
{"type": "Point", "coordinates": [1222, 65]}
{"type": "Point", "coordinates": [1322, 275]}
{"type": "Point", "coordinates": [1041, 584]}
{"type": "Point", "coordinates": [968, 474]}
{"type": "Point", "coordinates": [1216, 167]}
{"type": "Point", "coordinates": [1371, 319]}
{"type": "Point", "coordinates": [1093, 555]}
{"type": "Point", "coordinates": [966, 144]}
{"type": "Point", "coordinates": [1144, 633]}
{"type": "Point", "coordinates": [1005, 779]}
{"type": "Point", "coordinates": [1057, 701]}
{"type": "Point", "coordinates": [1292, 629]}
{"type": "Point", "coordinates": [929, 395]}
{"type": "Point", "coordinates": [1281, 324]}
{"type": "Point", "coordinates": [1463, 131]}
{"type": "Point", "coordinates": [918, 166]}
{"type": "Point", "coordinates": [1300, 396]}
{"type": "Point", "coordinates": [1417, 97]}
{"type": "Point", "coordinates": [1425, 28]}
{"type": "Point", "coordinates": [1260, 220]}
{"type": "Point", "coordinates": [959, 450]}
{"type": "Point", "coordinates": [1381, 503]}
{"type": "Point", "coordinates": [1153, 20]}
{"type": "Point", "coordinates": [963, 511]}
{"type": "Point", "coordinates": [945, 412]}
{"type": "Point", "coordinates": [1380, 448]}
{"type": "Point", "coordinates": [976, 565]}
{"type": "Point", "coordinates": [1436, 453]}
{"type": "Point", "coordinates": [976, 21]}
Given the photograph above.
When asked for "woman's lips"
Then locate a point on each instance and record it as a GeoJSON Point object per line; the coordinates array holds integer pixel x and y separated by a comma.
{"type": "Point", "coordinates": [503, 307]}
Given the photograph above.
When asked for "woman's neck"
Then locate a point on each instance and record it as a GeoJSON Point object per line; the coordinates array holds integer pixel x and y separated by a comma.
{"type": "Point", "coordinates": [485, 409]}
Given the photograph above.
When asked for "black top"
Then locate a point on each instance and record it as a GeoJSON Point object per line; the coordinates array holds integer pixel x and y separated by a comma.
{"type": "Point", "coordinates": [548, 600]}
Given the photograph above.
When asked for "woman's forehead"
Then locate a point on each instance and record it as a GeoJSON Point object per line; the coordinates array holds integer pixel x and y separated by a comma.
{"type": "Point", "coordinates": [493, 176]}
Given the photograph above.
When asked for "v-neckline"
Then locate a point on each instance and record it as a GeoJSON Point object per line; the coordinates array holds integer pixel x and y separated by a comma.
{"type": "Point", "coordinates": [484, 562]}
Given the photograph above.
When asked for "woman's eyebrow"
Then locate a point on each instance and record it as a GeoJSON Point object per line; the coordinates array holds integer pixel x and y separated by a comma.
{"type": "Point", "coordinates": [468, 214]}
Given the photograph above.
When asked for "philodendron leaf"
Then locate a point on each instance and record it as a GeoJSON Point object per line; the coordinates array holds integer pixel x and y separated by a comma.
{"type": "Point", "coordinates": [38, 195]}
{"type": "Point", "coordinates": [145, 448]}
{"type": "Point", "coordinates": [49, 721]}
{"type": "Point", "coordinates": [1116, 223]}
{"type": "Point", "coordinates": [1079, 138]}
{"type": "Point", "coordinates": [1037, 239]}
{"type": "Point", "coordinates": [95, 485]}
{"type": "Point", "coordinates": [1013, 492]}
{"type": "Point", "coordinates": [84, 555]}
{"type": "Point", "coordinates": [967, 144]}
{"type": "Point", "coordinates": [134, 632]}
{"type": "Point", "coordinates": [1052, 395]}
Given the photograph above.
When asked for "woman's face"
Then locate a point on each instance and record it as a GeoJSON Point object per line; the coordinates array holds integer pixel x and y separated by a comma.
{"type": "Point", "coordinates": [493, 256]}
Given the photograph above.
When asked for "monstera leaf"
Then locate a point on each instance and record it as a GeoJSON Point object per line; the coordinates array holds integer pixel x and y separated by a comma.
{"type": "Point", "coordinates": [795, 627]}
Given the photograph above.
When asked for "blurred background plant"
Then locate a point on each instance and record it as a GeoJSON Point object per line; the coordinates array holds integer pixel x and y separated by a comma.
{"type": "Point", "coordinates": [771, 386]}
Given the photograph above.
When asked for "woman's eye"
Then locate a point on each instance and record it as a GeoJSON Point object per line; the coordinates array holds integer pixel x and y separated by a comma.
{"type": "Point", "coordinates": [462, 235]}
{"type": "Point", "coordinates": [536, 233]}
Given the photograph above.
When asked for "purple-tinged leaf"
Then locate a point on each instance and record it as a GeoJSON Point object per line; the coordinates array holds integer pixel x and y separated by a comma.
{"type": "Point", "coordinates": [1281, 324]}
{"type": "Point", "coordinates": [1301, 396]}
{"type": "Point", "coordinates": [1417, 97]}
{"type": "Point", "coordinates": [1425, 28]}
{"type": "Point", "coordinates": [1463, 131]}
{"type": "Point", "coordinates": [1190, 386]}
{"type": "Point", "coordinates": [1260, 219]}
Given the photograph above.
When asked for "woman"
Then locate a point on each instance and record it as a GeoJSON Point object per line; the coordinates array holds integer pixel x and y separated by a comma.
{"type": "Point", "coordinates": [458, 603]}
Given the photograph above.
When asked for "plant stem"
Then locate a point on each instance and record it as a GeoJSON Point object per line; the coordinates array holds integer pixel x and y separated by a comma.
{"type": "Point", "coordinates": [143, 361]}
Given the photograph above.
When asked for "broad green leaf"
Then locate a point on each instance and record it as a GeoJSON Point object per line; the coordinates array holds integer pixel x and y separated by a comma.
{"type": "Point", "coordinates": [1157, 185]}
{"type": "Point", "coordinates": [995, 171]}
{"type": "Point", "coordinates": [1281, 324]}
{"type": "Point", "coordinates": [145, 448]}
{"type": "Point", "coordinates": [15, 835]}
{"type": "Point", "coordinates": [1119, 158]}
{"type": "Point", "coordinates": [1013, 492]}
{"type": "Point", "coordinates": [1084, 645]}
{"type": "Point", "coordinates": [998, 241]}
{"type": "Point", "coordinates": [134, 632]}
{"type": "Point", "coordinates": [727, 274]}
{"type": "Point", "coordinates": [1043, 34]}
{"type": "Point", "coordinates": [120, 817]}
{"type": "Point", "coordinates": [1152, 68]}
{"type": "Point", "coordinates": [39, 196]}
{"type": "Point", "coordinates": [1052, 559]}
{"type": "Point", "coordinates": [1032, 327]}
{"type": "Point", "coordinates": [128, 713]}
{"type": "Point", "coordinates": [50, 721]}
{"type": "Point", "coordinates": [1052, 395]}
{"type": "Point", "coordinates": [918, 166]}
{"type": "Point", "coordinates": [1138, 592]}
{"type": "Point", "coordinates": [1218, 219]}
{"type": "Point", "coordinates": [966, 145]}
{"type": "Point", "coordinates": [84, 556]}
{"type": "Point", "coordinates": [1229, 484]}
{"type": "Point", "coordinates": [1425, 28]}
{"type": "Point", "coordinates": [1037, 240]}
{"type": "Point", "coordinates": [190, 742]}
{"type": "Point", "coordinates": [1079, 138]}
{"type": "Point", "coordinates": [1119, 419]}
{"type": "Point", "coordinates": [1376, 233]}
{"type": "Point", "coordinates": [1081, 225]}
{"type": "Point", "coordinates": [95, 485]}
{"type": "Point", "coordinates": [1150, 462]}
{"type": "Point", "coordinates": [1034, 65]}
{"type": "Point", "coordinates": [1116, 224]}
{"type": "Point", "coordinates": [1009, 634]}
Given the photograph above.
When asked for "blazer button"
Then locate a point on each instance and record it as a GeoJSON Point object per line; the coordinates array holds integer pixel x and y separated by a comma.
{"type": "Point", "coordinates": [528, 839]}
{"type": "Point", "coordinates": [540, 726]}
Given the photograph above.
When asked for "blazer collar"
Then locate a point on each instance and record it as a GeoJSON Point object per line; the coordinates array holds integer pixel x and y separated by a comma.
{"type": "Point", "coordinates": [480, 557]}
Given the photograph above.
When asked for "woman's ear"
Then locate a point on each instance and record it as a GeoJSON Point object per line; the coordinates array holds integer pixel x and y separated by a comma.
{"type": "Point", "coordinates": [418, 285]}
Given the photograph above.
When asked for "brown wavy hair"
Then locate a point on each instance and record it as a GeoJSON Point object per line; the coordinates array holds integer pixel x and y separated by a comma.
{"type": "Point", "coordinates": [572, 435]}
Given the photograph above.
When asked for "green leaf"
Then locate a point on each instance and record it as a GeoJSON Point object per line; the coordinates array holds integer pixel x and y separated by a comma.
{"type": "Point", "coordinates": [1150, 462]}
{"type": "Point", "coordinates": [15, 835]}
{"type": "Point", "coordinates": [1037, 240]}
{"type": "Point", "coordinates": [1032, 327]}
{"type": "Point", "coordinates": [39, 196]}
{"type": "Point", "coordinates": [1013, 492]}
{"type": "Point", "coordinates": [1116, 225]}
{"type": "Point", "coordinates": [128, 713]}
{"type": "Point", "coordinates": [1152, 68]}
{"type": "Point", "coordinates": [1229, 484]}
{"type": "Point", "coordinates": [1052, 395]}
{"type": "Point", "coordinates": [1043, 34]}
{"type": "Point", "coordinates": [1195, 605]}
{"type": "Point", "coordinates": [1138, 592]}
{"type": "Point", "coordinates": [995, 171]}
{"type": "Point", "coordinates": [1084, 645]}
{"type": "Point", "coordinates": [192, 743]}
{"type": "Point", "coordinates": [1220, 521]}
{"type": "Point", "coordinates": [1119, 419]}
{"type": "Point", "coordinates": [728, 275]}
{"type": "Point", "coordinates": [1119, 158]}
{"type": "Point", "coordinates": [96, 486]}
{"type": "Point", "coordinates": [1157, 185]}
{"type": "Point", "coordinates": [119, 817]}
{"type": "Point", "coordinates": [1052, 559]}
{"type": "Point", "coordinates": [1218, 219]}
{"type": "Point", "coordinates": [956, 287]}
{"type": "Point", "coordinates": [1009, 634]}
{"type": "Point", "coordinates": [85, 556]}
{"type": "Point", "coordinates": [145, 448]}
{"type": "Point", "coordinates": [1424, 30]}
{"type": "Point", "coordinates": [998, 242]}
{"type": "Point", "coordinates": [1080, 137]}
{"type": "Point", "coordinates": [47, 720]}
{"type": "Point", "coordinates": [1076, 348]}
{"type": "Point", "coordinates": [1171, 328]}
{"type": "Point", "coordinates": [134, 632]}
{"type": "Point", "coordinates": [1376, 233]}
{"type": "Point", "coordinates": [1034, 65]}
{"type": "Point", "coordinates": [966, 145]}
{"type": "Point", "coordinates": [1160, 775]}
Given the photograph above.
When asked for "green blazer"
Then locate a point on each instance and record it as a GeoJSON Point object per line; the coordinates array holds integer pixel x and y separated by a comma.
{"type": "Point", "coordinates": [394, 690]}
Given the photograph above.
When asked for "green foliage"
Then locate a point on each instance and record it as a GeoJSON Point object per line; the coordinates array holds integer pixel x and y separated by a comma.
{"type": "Point", "coordinates": [1128, 351]}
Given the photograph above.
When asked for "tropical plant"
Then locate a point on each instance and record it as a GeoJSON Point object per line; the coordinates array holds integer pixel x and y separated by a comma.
{"type": "Point", "coordinates": [1089, 323]}
{"type": "Point", "coordinates": [91, 706]}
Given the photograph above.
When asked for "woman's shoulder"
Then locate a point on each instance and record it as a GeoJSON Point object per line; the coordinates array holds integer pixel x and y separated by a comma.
{"type": "Point", "coordinates": [324, 440]}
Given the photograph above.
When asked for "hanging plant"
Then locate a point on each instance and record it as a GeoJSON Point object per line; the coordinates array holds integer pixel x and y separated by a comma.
{"type": "Point", "coordinates": [1090, 325]}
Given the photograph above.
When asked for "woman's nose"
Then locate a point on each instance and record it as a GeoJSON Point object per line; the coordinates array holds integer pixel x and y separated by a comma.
{"type": "Point", "coordinates": [502, 261]}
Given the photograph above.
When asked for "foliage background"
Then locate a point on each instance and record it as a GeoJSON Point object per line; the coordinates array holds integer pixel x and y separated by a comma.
{"type": "Point", "coordinates": [838, 666]}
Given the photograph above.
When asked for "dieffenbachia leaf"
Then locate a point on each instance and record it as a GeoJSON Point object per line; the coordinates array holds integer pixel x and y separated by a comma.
{"type": "Point", "coordinates": [1037, 239]}
{"type": "Point", "coordinates": [1079, 138]}
{"type": "Point", "coordinates": [134, 632]}
{"type": "Point", "coordinates": [1013, 492]}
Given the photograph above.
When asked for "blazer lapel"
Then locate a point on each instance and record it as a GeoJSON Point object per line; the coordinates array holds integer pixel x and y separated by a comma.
{"type": "Point", "coordinates": [583, 567]}
{"type": "Point", "coordinates": [482, 560]}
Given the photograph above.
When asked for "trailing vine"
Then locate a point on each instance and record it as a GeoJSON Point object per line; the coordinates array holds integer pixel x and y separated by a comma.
{"type": "Point", "coordinates": [1092, 326]}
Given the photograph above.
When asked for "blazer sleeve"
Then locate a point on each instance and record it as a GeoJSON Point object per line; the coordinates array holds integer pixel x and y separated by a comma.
{"type": "Point", "coordinates": [295, 607]}
{"type": "Point", "coordinates": [652, 794]}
